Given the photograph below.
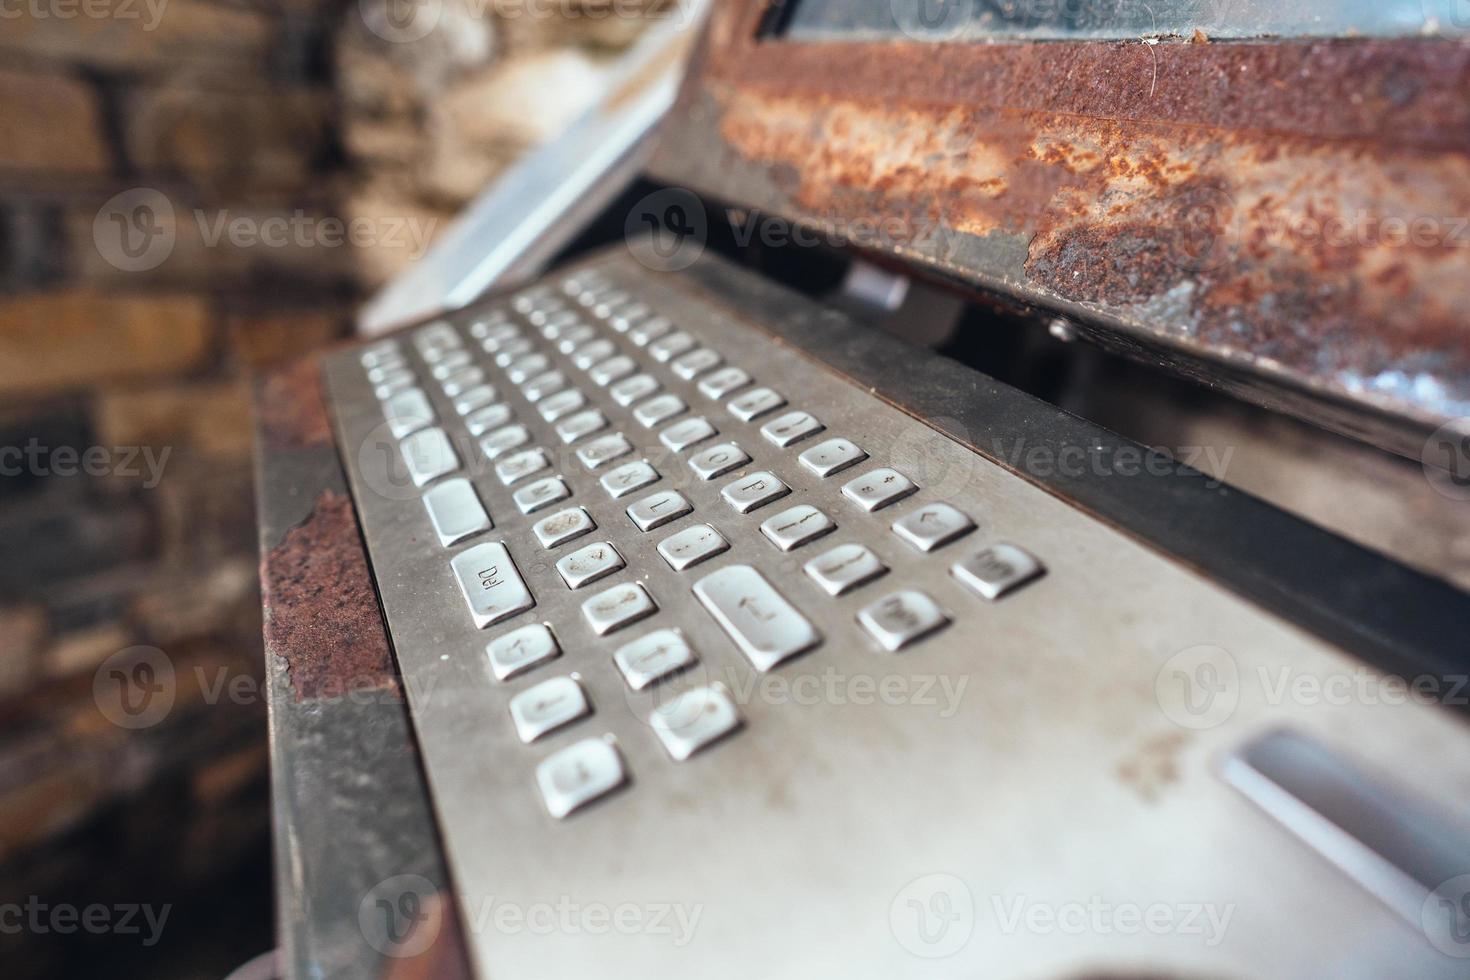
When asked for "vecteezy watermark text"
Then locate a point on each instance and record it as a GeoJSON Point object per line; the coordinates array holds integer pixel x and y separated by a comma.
{"type": "Point", "coordinates": [36, 459]}
{"type": "Point", "coordinates": [148, 12]}
{"type": "Point", "coordinates": [63, 919]}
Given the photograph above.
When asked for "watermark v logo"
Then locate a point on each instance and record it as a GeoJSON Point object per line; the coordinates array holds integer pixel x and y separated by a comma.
{"type": "Point", "coordinates": [1446, 460]}
{"type": "Point", "coordinates": [933, 917]}
{"type": "Point", "coordinates": [931, 19]}
{"type": "Point", "coordinates": [135, 230]}
{"type": "Point", "coordinates": [1448, 14]}
{"type": "Point", "coordinates": [399, 917]}
{"type": "Point", "coordinates": [668, 230]}
{"type": "Point", "coordinates": [1446, 917]}
{"type": "Point", "coordinates": [1199, 687]}
{"type": "Point", "coordinates": [134, 688]}
{"type": "Point", "coordinates": [401, 21]}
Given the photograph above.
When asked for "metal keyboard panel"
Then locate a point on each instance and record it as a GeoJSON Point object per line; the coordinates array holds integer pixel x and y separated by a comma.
{"type": "Point", "coordinates": [1019, 747]}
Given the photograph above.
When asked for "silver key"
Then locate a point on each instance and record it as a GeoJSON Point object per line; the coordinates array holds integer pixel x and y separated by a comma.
{"type": "Point", "coordinates": [527, 368]}
{"type": "Point", "coordinates": [520, 650]}
{"type": "Point", "coordinates": [407, 412]}
{"type": "Point", "coordinates": [513, 469]}
{"type": "Point", "coordinates": [662, 508]}
{"type": "Point", "coordinates": [513, 351]}
{"type": "Point", "coordinates": [878, 489]}
{"type": "Point", "coordinates": [997, 570]}
{"type": "Point", "coordinates": [564, 526]}
{"type": "Point", "coordinates": [490, 417]}
{"type": "Point", "coordinates": [753, 491]}
{"type": "Point", "coordinates": [451, 365]}
{"type": "Point", "coordinates": [755, 403]}
{"type": "Point", "coordinates": [498, 336]}
{"type": "Point", "coordinates": [461, 382]}
{"type": "Point", "coordinates": [671, 346]}
{"type": "Point", "coordinates": [541, 494]}
{"type": "Point", "coordinates": [696, 362]}
{"type": "Point", "coordinates": [633, 389]}
{"type": "Point", "coordinates": [687, 434]}
{"type": "Point", "coordinates": [581, 425]}
{"type": "Point", "coordinates": [474, 399]}
{"type": "Point", "coordinates": [491, 585]}
{"type": "Point", "coordinates": [718, 460]}
{"type": "Point", "coordinates": [456, 511]}
{"type": "Point", "coordinates": [561, 404]}
{"type": "Point", "coordinates": [571, 336]}
{"type": "Point", "coordinates": [646, 333]}
{"type": "Point", "coordinates": [494, 324]}
{"type": "Point", "coordinates": [694, 720]}
{"type": "Point", "coordinates": [599, 452]}
{"type": "Point", "coordinates": [552, 704]}
{"type": "Point", "coordinates": [766, 628]}
{"type": "Point", "coordinates": [579, 774]}
{"type": "Point", "coordinates": [658, 655]}
{"type": "Point", "coordinates": [658, 410]}
{"type": "Point", "coordinates": [832, 457]}
{"type": "Point", "coordinates": [934, 526]}
{"type": "Point", "coordinates": [723, 382]}
{"type": "Point", "coordinates": [594, 353]}
{"type": "Point", "coordinates": [429, 455]}
{"type": "Point", "coordinates": [394, 383]}
{"type": "Point", "coordinates": [791, 428]}
{"type": "Point", "coordinates": [380, 353]}
{"type": "Point", "coordinates": [629, 478]}
{"type": "Point", "coordinates": [629, 317]}
{"type": "Point", "coordinates": [589, 564]}
{"type": "Point", "coordinates": [613, 369]}
{"type": "Point", "coordinates": [844, 568]}
{"type": "Point", "coordinates": [800, 525]}
{"type": "Point", "coordinates": [385, 369]}
{"type": "Point", "coordinates": [543, 385]}
{"type": "Point", "coordinates": [504, 440]}
{"type": "Point", "coordinates": [692, 546]}
{"type": "Point", "coordinates": [902, 618]}
{"type": "Point", "coordinates": [620, 606]}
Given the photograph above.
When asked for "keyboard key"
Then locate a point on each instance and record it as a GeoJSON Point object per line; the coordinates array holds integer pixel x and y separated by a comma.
{"type": "Point", "coordinates": [754, 491]}
{"type": "Point", "coordinates": [613, 369]}
{"type": "Point", "coordinates": [629, 478]}
{"type": "Point", "coordinates": [581, 425]}
{"type": "Point", "coordinates": [456, 511]}
{"type": "Point", "coordinates": [662, 508]}
{"type": "Point", "coordinates": [474, 399]}
{"type": "Point", "coordinates": [767, 629]}
{"type": "Point", "coordinates": [520, 650]}
{"type": "Point", "coordinates": [515, 468]}
{"type": "Point", "coordinates": [800, 525]}
{"type": "Point", "coordinates": [723, 382]}
{"type": "Point", "coordinates": [934, 526]}
{"type": "Point", "coordinates": [902, 618]}
{"type": "Point", "coordinates": [692, 546]}
{"type": "Point", "coordinates": [394, 383]}
{"type": "Point", "coordinates": [879, 489]}
{"type": "Point", "coordinates": [594, 353]}
{"type": "Point", "coordinates": [599, 452]}
{"type": "Point", "coordinates": [451, 365]}
{"type": "Point", "coordinates": [496, 338]}
{"type": "Point", "coordinates": [564, 526]}
{"type": "Point", "coordinates": [688, 433]}
{"type": "Point", "coordinates": [490, 417]}
{"type": "Point", "coordinates": [543, 385]}
{"type": "Point", "coordinates": [695, 720]}
{"type": "Point", "coordinates": [542, 494]}
{"type": "Point", "coordinates": [579, 774]}
{"type": "Point", "coordinates": [513, 351]}
{"type": "Point", "coordinates": [620, 606]}
{"type": "Point", "coordinates": [998, 570]}
{"type": "Point", "coordinates": [671, 346]}
{"type": "Point", "coordinates": [463, 381]}
{"type": "Point", "coordinates": [633, 389]}
{"type": "Point", "coordinates": [552, 704]}
{"type": "Point", "coordinates": [494, 325]}
{"type": "Point", "coordinates": [658, 410]}
{"type": "Point", "coordinates": [407, 412]}
{"type": "Point", "coordinates": [791, 428]}
{"type": "Point", "coordinates": [571, 337]}
{"type": "Point", "coordinates": [561, 404]}
{"type": "Point", "coordinates": [380, 353]}
{"type": "Point", "coordinates": [656, 656]}
{"type": "Point", "coordinates": [696, 362]}
{"type": "Point", "coordinates": [844, 568]}
{"type": "Point", "coordinates": [429, 455]}
{"type": "Point", "coordinates": [590, 564]}
{"type": "Point", "coordinates": [386, 369]}
{"type": "Point", "coordinates": [629, 317]}
{"type": "Point", "coordinates": [832, 457]}
{"type": "Point", "coordinates": [504, 440]}
{"type": "Point", "coordinates": [491, 585]}
{"type": "Point", "coordinates": [718, 460]}
{"type": "Point", "coordinates": [646, 333]}
{"type": "Point", "coordinates": [755, 403]}
{"type": "Point", "coordinates": [527, 368]}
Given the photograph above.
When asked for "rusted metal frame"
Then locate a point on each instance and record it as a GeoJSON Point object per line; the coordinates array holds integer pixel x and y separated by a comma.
{"type": "Point", "coordinates": [1244, 211]}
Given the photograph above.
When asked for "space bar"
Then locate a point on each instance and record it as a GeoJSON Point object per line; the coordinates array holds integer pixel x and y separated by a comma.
{"type": "Point", "coordinates": [766, 628]}
{"type": "Point", "coordinates": [491, 584]}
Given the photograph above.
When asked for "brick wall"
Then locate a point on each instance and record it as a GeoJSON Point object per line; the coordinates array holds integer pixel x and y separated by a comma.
{"type": "Point", "coordinates": [190, 192]}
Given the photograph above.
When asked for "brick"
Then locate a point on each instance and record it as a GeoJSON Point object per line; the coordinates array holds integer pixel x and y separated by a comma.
{"type": "Point", "coordinates": [193, 602]}
{"type": "Point", "coordinates": [69, 340]}
{"type": "Point", "coordinates": [263, 340]}
{"type": "Point", "coordinates": [211, 419]}
{"type": "Point", "coordinates": [133, 36]}
{"type": "Point", "coordinates": [419, 224]}
{"type": "Point", "coordinates": [50, 124]}
{"type": "Point", "coordinates": [24, 629]}
{"type": "Point", "coordinates": [84, 650]}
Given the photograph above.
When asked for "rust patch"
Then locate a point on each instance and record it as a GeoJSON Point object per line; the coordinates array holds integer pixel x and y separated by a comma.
{"type": "Point", "coordinates": [321, 612]}
{"type": "Point", "coordinates": [291, 407]}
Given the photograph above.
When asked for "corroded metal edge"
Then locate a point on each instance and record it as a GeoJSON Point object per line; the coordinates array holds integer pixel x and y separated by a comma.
{"type": "Point", "coordinates": [1290, 216]}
